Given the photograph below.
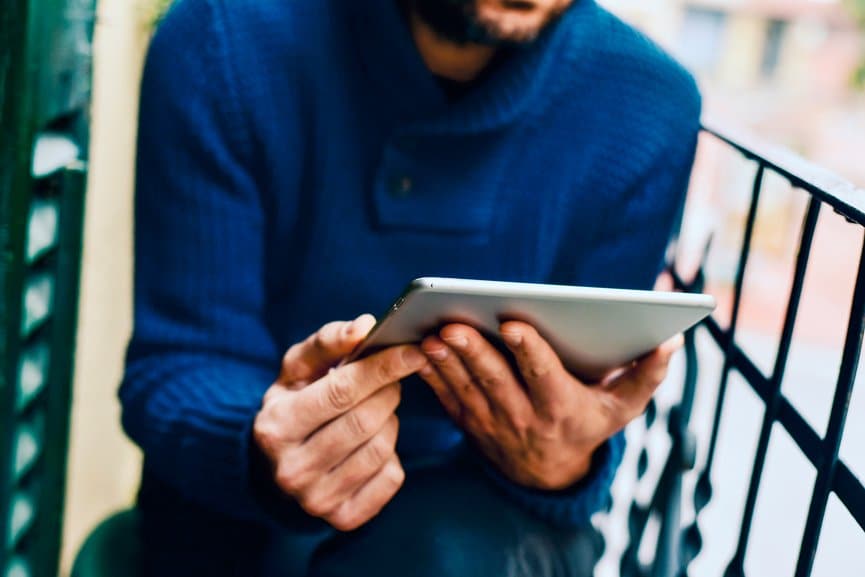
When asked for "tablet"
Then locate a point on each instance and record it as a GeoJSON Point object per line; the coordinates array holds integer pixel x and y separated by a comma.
{"type": "Point", "coordinates": [591, 329]}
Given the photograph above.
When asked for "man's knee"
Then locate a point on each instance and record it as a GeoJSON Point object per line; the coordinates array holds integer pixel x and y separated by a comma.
{"type": "Point", "coordinates": [467, 530]}
{"type": "Point", "coordinates": [456, 551]}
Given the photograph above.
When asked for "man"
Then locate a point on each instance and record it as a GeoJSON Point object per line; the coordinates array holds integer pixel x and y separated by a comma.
{"type": "Point", "coordinates": [299, 162]}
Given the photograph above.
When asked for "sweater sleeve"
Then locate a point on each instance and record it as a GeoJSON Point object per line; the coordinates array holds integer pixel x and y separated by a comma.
{"type": "Point", "coordinates": [201, 355]}
{"type": "Point", "coordinates": [629, 254]}
{"type": "Point", "coordinates": [630, 250]}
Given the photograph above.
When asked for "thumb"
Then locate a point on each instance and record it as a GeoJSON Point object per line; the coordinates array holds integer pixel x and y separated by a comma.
{"type": "Point", "coordinates": [311, 359]}
{"type": "Point", "coordinates": [633, 387]}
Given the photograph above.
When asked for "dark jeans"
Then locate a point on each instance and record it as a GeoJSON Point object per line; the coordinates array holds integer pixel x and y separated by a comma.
{"type": "Point", "coordinates": [447, 520]}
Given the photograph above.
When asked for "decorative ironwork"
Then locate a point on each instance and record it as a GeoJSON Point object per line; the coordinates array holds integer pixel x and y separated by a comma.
{"type": "Point", "coordinates": [677, 544]}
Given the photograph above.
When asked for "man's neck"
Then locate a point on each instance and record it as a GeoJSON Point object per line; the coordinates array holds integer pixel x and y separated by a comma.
{"type": "Point", "coordinates": [459, 62]}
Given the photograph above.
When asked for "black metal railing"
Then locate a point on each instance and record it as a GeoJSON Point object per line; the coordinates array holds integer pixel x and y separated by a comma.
{"type": "Point", "coordinates": [677, 541]}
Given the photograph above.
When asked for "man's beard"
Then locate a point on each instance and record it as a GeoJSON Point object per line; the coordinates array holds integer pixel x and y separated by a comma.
{"type": "Point", "coordinates": [458, 22]}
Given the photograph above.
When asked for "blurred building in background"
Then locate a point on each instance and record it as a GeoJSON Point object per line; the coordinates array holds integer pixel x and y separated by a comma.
{"type": "Point", "coordinates": [781, 67]}
{"type": "Point", "coordinates": [782, 70]}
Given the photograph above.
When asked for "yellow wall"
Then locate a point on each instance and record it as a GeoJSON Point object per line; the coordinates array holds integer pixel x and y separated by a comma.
{"type": "Point", "coordinates": [103, 464]}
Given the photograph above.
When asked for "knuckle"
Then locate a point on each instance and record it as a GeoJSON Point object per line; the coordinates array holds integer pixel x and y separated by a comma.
{"type": "Point", "coordinates": [266, 434]}
{"type": "Point", "coordinates": [315, 505]}
{"type": "Point", "coordinates": [354, 479]}
{"type": "Point", "coordinates": [357, 424]}
{"type": "Point", "coordinates": [276, 423]}
{"type": "Point", "coordinates": [387, 370]}
{"type": "Point", "coordinates": [289, 357]}
{"type": "Point", "coordinates": [552, 414]}
{"type": "Point", "coordinates": [392, 396]}
{"type": "Point", "coordinates": [345, 519]}
{"type": "Point", "coordinates": [537, 370]}
{"type": "Point", "coordinates": [476, 425]}
{"type": "Point", "coordinates": [491, 381]}
{"type": "Point", "coordinates": [520, 425]}
{"type": "Point", "coordinates": [319, 340]}
{"type": "Point", "coordinates": [378, 451]}
{"type": "Point", "coordinates": [293, 364]}
{"type": "Point", "coordinates": [339, 391]}
{"type": "Point", "coordinates": [547, 426]}
{"type": "Point", "coordinates": [270, 395]}
{"type": "Point", "coordinates": [289, 477]}
{"type": "Point", "coordinates": [395, 476]}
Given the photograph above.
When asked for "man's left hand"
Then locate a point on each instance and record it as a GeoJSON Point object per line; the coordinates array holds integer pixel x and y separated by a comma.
{"type": "Point", "coordinates": [539, 424]}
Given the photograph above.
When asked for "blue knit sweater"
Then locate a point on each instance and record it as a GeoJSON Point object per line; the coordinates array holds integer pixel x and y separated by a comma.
{"type": "Point", "coordinates": [298, 164]}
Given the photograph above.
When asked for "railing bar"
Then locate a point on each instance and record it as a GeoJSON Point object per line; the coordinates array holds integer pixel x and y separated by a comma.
{"type": "Point", "coordinates": [851, 493]}
{"type": "Point", "coordinates": [802, 433]}
{"type": "Point", "coordinates": [752, 375]}
{"type": "Point", "coordinates": [720, 335]}
{"type": "Point", "coordinates": [808, 228]}
{"type": "Point", "coordinates": [734, 316]}
{"type": "Point", "coordinates": [841, 195]}
{"type": "Point", "coordinates": [773, 390]}
{"type": "Point", "coordinates": [835, 429]}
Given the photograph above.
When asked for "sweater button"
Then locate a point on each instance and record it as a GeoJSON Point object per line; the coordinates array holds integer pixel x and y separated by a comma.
{"type": "Point", "coordinates": [401, 186]}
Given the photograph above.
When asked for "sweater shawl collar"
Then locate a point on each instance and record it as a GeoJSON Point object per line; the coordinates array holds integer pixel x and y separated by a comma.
{"type": "Point", "coordinates": [411, 94]}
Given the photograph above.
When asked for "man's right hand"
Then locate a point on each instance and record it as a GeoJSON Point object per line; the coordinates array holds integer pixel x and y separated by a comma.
{"type": "Point", "coordinates": [330, 433]}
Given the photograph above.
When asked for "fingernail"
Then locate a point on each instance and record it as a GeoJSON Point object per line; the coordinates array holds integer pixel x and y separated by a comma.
{"type": "Point", "coordinates": [412, 357]}
{"type": "Point", "coordinates": [359, 324]}
{"type": "Point", "coordinates": [457, 342]}
{"type": "Point", "coordinates": [425, 371]}
{"type": "Point", "coordinates": [513, 339]}
{"type": "Point", "coordinates": [365, 319]}
{"type": "Point", "coordinates": [437, 354]}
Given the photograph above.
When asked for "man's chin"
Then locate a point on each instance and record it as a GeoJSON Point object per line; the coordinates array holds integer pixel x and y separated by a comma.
{"type": "Point", "coordinates": [476, 22]}
{"type": "Point", "coordinates": [510, 26]}
{"type": "Point", "coordinates": [510, 36]}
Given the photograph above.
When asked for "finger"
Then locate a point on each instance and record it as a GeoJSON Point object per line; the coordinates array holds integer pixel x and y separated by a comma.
{"type": "Point", "coordinates": [454, 373]}
{"type": "Point", "coordinates": [443, 391]}
{"type": "Point", "coordinates": [549, 384]}
{"type": "Point", "coordinates": [309, 360]}
{"type": "Point", "coordinates": [490, 370]}
{"type": "Point", "coordinates": [270, 431]}
{"type": "Point", "coordinates": [352, 473]}
{"type": "Point", "coordinates": [370, 499]}
{"type": "Point", "coordinates": [343, 388]}
{"type": "Point", "coordinates": [632, 389]}
{"type": "Point", "coordinates": [334, 442]}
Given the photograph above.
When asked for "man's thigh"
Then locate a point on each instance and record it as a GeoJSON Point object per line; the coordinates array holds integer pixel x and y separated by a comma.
{"type": "Point", "coordinates": [449, 520]}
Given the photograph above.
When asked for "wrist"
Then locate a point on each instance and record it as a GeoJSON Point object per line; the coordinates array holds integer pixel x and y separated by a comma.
{"type": "Point", "coordinates": [574, 506]}
{"type": "Point", "coordinates": [550, 475]}
{"type": "Point", "coordinates": [566, 474]}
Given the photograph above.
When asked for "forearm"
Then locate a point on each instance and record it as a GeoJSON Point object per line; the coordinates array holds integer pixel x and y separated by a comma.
{"type": "Point", "coordinates": [192, 416]}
